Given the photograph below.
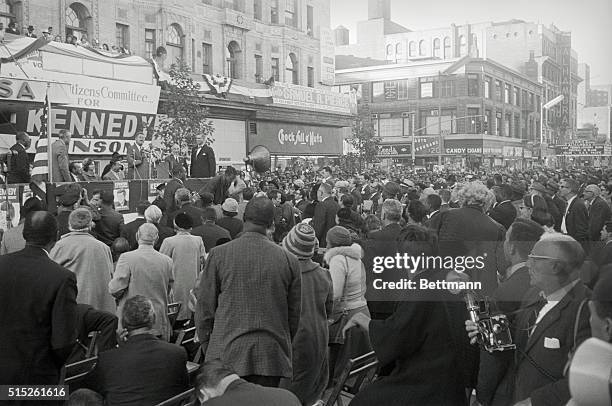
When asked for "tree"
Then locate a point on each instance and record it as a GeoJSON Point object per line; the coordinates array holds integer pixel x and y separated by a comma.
{"type": "Point", "coordinates": [364, 141]}
{"type": "Point", "coordinates": [187, 116]}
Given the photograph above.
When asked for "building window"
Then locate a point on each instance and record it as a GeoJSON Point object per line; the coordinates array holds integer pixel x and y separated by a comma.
{"type": "Point", "coordinates": [276, 69]}
{"type": "Point", "coordinates": [234, 5]}
{"type": "Point", "coordinates": [207, 58]}
{"type": "Point", "coordinates": [122, 36]}
{"type": "Point", "coordinates": [517, 95]}
{"type": "Point", "coordinates": [374, 119]}
{"type": "Point", "coordinates": [310, 21]}
{"type": "Point", "coordinates": [402, 89]}
{"type": "Point", "coordinates": [76, 18]}
{"type": "Point", "coordinates": [291, 68]}
{"type": "Point", "coordinates": [311, 76]}
{"type": "Point", "coordinates": [498, 123]}
{"type": "Point", "coordinates": [274, 11]}
{"type": "Point", "coordinates": [517, 126]}
{"type": "Point", "coordinates": [7, 12]}
{"type": "Point", "coordinates": [257, 10]}
{"type": "Point", "coordinates": [407, 119]}
{"type": "Point", "coordinates": [507, 94]}
{"type": "Point", "coordinates": [378, 92]}
{"type": "Point", "coordinates": [472, 120]}
{"type": "Point", "coordinates": [291, 15]}
{"type": "Point", "coordinates": [487, 122]}
{"type": "Point", "coordinates": [390, 125]}
{"type": "Point", "coordinates": [426, 89]}
{"type": "Point", "coordinates": [149, 43]}
{"type": "Point", "coordinates": [498, 91]}
{"type": "Point", "coordinates": [436, 48]}
{"type": "Point", "coordinates": [463, 48]}
{"type": "Point", "coordinates": [398, 50]}
{"type": "Point", "coordinates": [487, 87]}
{"type": "Point", "coordinates": [258, 69]}
{"type": "Point", "coordinates": [174, 43]}
{"type": "Point", "coordinates": [389, 49]}
{"type": "Point", "coordinates": [412, 48]}
{"type": "Point", "coordinates": [422, 47]}
{"type": "Point", "coordinates": [473, 84]}
{"type": "Point", "coordinates": [447, 48]}
{"type": "Point", "coordinates": [447, 88]}
{"type": "Point", "coordinates": [232, 60]}
{"type": "Point", "coordinates": [507, 128]}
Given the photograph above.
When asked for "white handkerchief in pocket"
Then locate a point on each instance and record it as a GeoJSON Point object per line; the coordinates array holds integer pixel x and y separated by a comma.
{"type": "Point", "coordinates": [552, 343]}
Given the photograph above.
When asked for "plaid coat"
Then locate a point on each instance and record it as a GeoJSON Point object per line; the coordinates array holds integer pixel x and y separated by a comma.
{"type": "Point", "coordinates": [248, 305]}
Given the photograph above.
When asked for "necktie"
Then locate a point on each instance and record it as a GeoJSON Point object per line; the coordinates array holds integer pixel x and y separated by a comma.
{"type": "Point", "coordinates": [537, 307]}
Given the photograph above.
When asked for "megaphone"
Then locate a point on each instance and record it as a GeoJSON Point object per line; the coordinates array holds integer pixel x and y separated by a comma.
{"type": "Point", "coordinates": [259, 159]}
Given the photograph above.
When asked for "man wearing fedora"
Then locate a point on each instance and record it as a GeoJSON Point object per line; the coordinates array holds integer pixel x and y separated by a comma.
{"type": "Point", "coordinates": [599, 211]}
{"type": "Point", "coordinates": [229, 220]}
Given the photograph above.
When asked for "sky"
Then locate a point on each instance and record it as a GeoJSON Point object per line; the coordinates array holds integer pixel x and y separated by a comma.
{"type": "Point", "coordinates": [588, 20]}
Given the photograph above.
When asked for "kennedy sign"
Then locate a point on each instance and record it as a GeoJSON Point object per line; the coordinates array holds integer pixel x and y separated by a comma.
{"type": "Point", "coordinates": [296, 139]}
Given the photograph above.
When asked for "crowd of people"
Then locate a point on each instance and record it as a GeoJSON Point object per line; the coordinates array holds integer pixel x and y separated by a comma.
{"type": "Point", "coordinates": [71, 38]}
{"type": "Point", "coordinates": [277, 273]}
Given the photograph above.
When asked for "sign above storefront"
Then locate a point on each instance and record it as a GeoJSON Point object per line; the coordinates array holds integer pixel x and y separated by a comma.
{"type": "Point", "coordinates": [302, 97]}
{"type": "Point", "coordinates": [426, 145]}
{"type": "Point", "coordinates": [394, 150]}
{"type": "Point", "coordinates": [583, 148]}
{"type": "Point", "coordinates": [463, 147]}
{"type": "Point", "coordinates": [296, 139]}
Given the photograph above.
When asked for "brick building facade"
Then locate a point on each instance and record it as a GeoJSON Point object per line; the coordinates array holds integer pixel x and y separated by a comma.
{"type": "Point", "coordinates": [251, 40]}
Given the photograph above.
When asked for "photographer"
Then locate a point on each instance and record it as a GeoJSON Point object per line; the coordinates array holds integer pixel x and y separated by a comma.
{"type": "Point", "coordinates": [551, 324]}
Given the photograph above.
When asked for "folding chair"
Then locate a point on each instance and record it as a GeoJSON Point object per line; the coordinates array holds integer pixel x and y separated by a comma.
{"type": "Point", "coordinates": [357, 373]}
{"type": "Point", "coordinates": [187, 338]}
{"type": "Point", "coordinates": [75, 372]}
{"type": "Point", "coordinates": [178, 400]}
{"type": "Point", "coordinates": [173, 311]}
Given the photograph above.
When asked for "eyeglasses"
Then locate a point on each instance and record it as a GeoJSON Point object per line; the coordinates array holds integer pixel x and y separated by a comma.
{"type": "Point", "coordinates": [531, 256]}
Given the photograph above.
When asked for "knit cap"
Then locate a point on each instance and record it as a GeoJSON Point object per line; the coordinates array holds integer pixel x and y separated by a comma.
{"type": "Point", "coordinates": [301, 241]}
{"type": "Point", "coordinates": [339, 236]}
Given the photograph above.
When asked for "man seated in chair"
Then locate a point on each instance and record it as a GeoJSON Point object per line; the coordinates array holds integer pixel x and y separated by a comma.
{"type": "Point", "coordinates": [144, 370]}
{"type": "Point", "coordinates": [218, 385]}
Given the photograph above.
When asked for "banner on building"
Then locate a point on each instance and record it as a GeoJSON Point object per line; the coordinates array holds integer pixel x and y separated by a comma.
{"type": "Point", "coordinates": [295, 139]}
{"type": "Point", "coordinates": [303, 97]}
{"type": "Point", "coordinates": [427, 145]}
{"type": "Point", "coordinates": [328, 59]}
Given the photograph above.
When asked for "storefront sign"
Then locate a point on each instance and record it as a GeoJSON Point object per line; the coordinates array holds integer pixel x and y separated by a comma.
{"type": "Point", "coordinates": [297, 139]}
{"type": "Point", "coordinates": [394, 150]}
{"type": "Point", "coordinates": [427, 145]}
{"type": "Point", "coordinates": [295, 96]}
{"type": "Point", "coordinates": [12, 208]}
{"type": "Point", "coordinates": [492, 150]}
{"type": "Point", "coordinates": [463, 147]}
{"type": "Point", "coordinates": [582, 148]}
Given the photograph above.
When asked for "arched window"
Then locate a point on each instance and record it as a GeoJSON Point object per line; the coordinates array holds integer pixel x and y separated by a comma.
{"type": "Point", "coordinates": [291, 68]}
{"type": "Point", "coordinates": [447, 48]}
{"type": "Point", "coordinates": [7, 12]}
{"type": "Point", "coordinates": [78, 19]}
{"type": "Point", "coordinates": [398, 49]}
{"type": "Point", "coordinates": [463, 49]}
{"type": "Point", "coordinates": [422, 47]}
{"type": "Point", "coordinates": [412, 48]}
{"type": "Point", "coordinates": [389, 50]}
{"type": "Point", "coordinates": [232, 60]}
{"type": "Point", "coordinates": [174, 42]}
{"type": "Point", "coordinates": [436, 47]}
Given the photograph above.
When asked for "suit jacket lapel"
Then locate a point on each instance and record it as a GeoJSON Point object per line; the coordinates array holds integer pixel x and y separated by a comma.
{"type": "Point", "coordinates": [550, 318]}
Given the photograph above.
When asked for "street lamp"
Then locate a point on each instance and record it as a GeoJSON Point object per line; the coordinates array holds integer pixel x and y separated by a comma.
{"type": "Point", "coordinates": [547, 106]}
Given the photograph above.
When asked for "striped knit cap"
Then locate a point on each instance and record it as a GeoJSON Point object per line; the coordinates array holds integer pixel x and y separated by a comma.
{"type": "Point", "coordinates": [301, 241]}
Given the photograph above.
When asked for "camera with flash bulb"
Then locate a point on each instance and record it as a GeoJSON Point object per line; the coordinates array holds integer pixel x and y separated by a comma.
{"type": "Point", "coordinates": [493, 330]}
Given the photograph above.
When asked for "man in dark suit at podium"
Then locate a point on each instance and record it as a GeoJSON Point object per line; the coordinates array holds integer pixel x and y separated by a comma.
{"type": "Point", "coordinates": [203, 164]}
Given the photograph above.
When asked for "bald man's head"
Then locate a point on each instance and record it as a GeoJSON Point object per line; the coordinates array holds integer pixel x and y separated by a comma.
{"type": "Point", "coordinates": [40, 229]}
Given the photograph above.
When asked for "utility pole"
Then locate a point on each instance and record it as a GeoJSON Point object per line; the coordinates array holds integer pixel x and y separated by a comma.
{"type": "Point", "coordinates": [440, 118]}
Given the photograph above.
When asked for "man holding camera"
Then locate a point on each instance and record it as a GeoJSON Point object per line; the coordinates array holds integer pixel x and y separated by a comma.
{"type": "Point", "coordinates": [551, 324]}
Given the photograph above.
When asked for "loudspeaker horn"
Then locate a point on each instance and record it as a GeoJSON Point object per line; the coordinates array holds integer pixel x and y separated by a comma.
{"type": "Point", "coordinates": [259, 159]}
